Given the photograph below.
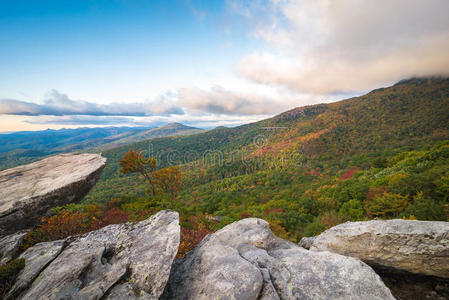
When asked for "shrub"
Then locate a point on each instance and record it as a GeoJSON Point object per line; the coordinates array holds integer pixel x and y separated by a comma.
{"type": "Point", "coordinates": [352, 210]}
{"type": "Point", "coordinates": [424, 208]}
{"type": "Point", "coordinates": [330, 219]}
{"type": "Point", "coordinates": [347, 175]}
{"type": "Point", "coordinates": [278, 230]}
{"type": "Point", "coordinates": [8, 275]}
{"type": "Point", "coordinates": [386, 205]}
{"type": "Point", "coordinates": [75, 220]}
{"type": "Point", "coordinates": [192, 236]}
{"type": "Point", "coordinates": [313, 229]}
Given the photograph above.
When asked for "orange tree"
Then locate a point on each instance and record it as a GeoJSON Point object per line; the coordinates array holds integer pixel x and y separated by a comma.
{"type": "Point", "coordinates": [136, 162]}
{"type": "Point", "coordinates": [164, 181]}
{"type": "Point", "coordinates": [169, 181]}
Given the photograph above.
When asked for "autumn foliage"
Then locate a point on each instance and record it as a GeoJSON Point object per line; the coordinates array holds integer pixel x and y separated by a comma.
{"type": "Point", "coordinates": [136, 162]}
{"type": "Point", "coordinates": [161, 181]}
{"type": "Point", "coordinates": [71, 222]}
{"type": "Point", "coordinates": [347, 175]}
{"type": "Point", "coordinates": [192, 235]}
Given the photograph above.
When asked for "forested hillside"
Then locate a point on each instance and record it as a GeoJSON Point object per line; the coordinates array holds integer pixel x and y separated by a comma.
{"type": "Point", "coordinates": [381, 155]}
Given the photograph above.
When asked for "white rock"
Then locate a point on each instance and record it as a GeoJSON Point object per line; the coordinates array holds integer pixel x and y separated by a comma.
{"type": "Point", "coordinates": [9, 245]}
{"type": "Point", "coordinates": [28, 192]}
{"type": "Point", "coordinates": [94, 264]}
{"type": "Point", "coordinates": [245, 260]}
{"type": "Point", "coordinates": [420, 247]}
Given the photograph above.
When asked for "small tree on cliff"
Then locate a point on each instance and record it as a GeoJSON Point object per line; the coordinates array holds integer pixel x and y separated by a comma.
{"type": "Point", "coordinates": [166, 180]}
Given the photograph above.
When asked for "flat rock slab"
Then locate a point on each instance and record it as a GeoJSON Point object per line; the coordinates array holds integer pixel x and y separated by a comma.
{"type": "Point", "coordinates": [419, 247]}
{"type": "Point", "coordinates": [28, 192]}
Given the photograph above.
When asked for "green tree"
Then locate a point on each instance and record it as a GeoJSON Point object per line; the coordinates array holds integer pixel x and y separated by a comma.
{"type": "Point", "coordinates": [386, 205]}
{"type": "Point", "coordinates": [352, 210]}
{"type": "Point", "coordinates": [425, 208]}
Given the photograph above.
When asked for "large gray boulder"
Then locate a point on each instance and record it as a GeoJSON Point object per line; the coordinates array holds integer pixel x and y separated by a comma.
{"type": "Point", "coordinates": [116, 262]}
{"type": "Point", "coordinates": [245, 260]}
{"type": "Point", "coordinates": [420, 247]}
{"type": "Point", "coordinates": [28, 192]}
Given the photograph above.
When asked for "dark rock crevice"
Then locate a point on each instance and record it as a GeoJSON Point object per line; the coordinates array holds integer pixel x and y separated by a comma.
{"type": "Point", "coordinates": [409, 286]}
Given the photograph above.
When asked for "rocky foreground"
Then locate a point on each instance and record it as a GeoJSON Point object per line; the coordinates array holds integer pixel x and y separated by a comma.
{"type": "Point", "coordinates": [244, 260]}
{"type": "Point", "coordinates": [118, 261]}
{"type": "Point", "coordinates": [28, 192]}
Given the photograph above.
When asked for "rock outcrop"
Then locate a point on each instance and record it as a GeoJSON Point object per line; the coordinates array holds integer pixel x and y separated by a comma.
{"type": "Point", "coordinates": [245, 260]}
{"type": "Point", "coordinates": [9, 246]}
{"type": "Point", "coordinates": [122, 261]}
{"type": "Point", "coordinates": [28, 192]}
{"type": "Point", "coordinates": [419, 247]}
{"type": "Point", "coordinates": [306, 242]}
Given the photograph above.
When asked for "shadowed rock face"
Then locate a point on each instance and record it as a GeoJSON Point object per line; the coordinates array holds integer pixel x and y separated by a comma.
{"type": "Point", "coordinates": [122, 261]}
{"type": "Point", "coordinates": [419, 247]}
{"type": "Point", "coordinates": [245, 260]}
{"type": "Point", "coordinates": [28, 192]}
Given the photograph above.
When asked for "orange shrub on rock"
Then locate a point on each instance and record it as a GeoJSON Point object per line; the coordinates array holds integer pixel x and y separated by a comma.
{"type": "Point", "coordinates": [67, 223]}
{"type": "Point", "coordinates": [191, 237]}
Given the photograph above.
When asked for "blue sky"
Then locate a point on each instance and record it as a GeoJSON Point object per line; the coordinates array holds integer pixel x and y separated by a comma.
{"type": "Point", "coordinates": [85, 48]}
{"type": "Point", "coordinates": [206, 63]}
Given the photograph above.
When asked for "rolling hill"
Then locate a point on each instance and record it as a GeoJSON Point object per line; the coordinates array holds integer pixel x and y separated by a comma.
{"type": "Point", "coordinates": [22, 147]}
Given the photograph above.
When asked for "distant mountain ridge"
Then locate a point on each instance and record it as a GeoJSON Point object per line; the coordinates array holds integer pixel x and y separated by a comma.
{"type": "Point", "coordinates": [166, 130]}
{"type": "Point", "coordinates": [25, 146]}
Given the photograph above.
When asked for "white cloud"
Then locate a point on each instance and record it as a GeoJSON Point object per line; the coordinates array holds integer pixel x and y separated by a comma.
{"type": "Point", "coordinates": [327, 46]}
{"type": "Point", "coordinates": [58, 104]}
{"type": "Point", "coordinates": [218, 100]}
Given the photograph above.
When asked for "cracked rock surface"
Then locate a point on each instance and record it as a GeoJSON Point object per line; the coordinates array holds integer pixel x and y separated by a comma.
{"type": "Point", "coordinates": [244, 260]}
{"type": "Point", "coordinates": [419, 247]}
{"type": "Point", "coordinates": [28, 192]}
{"type": "Point", "coordinates": [123, 261]}
{"type": "Point", "coordinates": [9, 245]}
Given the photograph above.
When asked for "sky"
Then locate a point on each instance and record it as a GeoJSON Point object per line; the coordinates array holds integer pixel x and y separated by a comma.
{"type": "Point", "coordinates": [66, 64]}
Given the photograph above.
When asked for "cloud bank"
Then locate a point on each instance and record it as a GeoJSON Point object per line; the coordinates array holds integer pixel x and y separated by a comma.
{"type": "Point", "coordinates": [58, 104]}
{"type": "Point", "coordinates": [328, 46]}
{"type": "Point", "coordinates": [59, 108]}
{"type": "Point", "coordinates": [218, 100]}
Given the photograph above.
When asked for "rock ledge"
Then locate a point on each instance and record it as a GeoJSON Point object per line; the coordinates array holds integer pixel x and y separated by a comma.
{"type": "Point", "coordinates": [28, 192]}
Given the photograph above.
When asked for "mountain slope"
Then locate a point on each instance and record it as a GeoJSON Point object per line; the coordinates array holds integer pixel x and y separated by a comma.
{"type": "Point", "coordinates": [384, 154]}
{"type": "Point", "coordinates": [410, 113]}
